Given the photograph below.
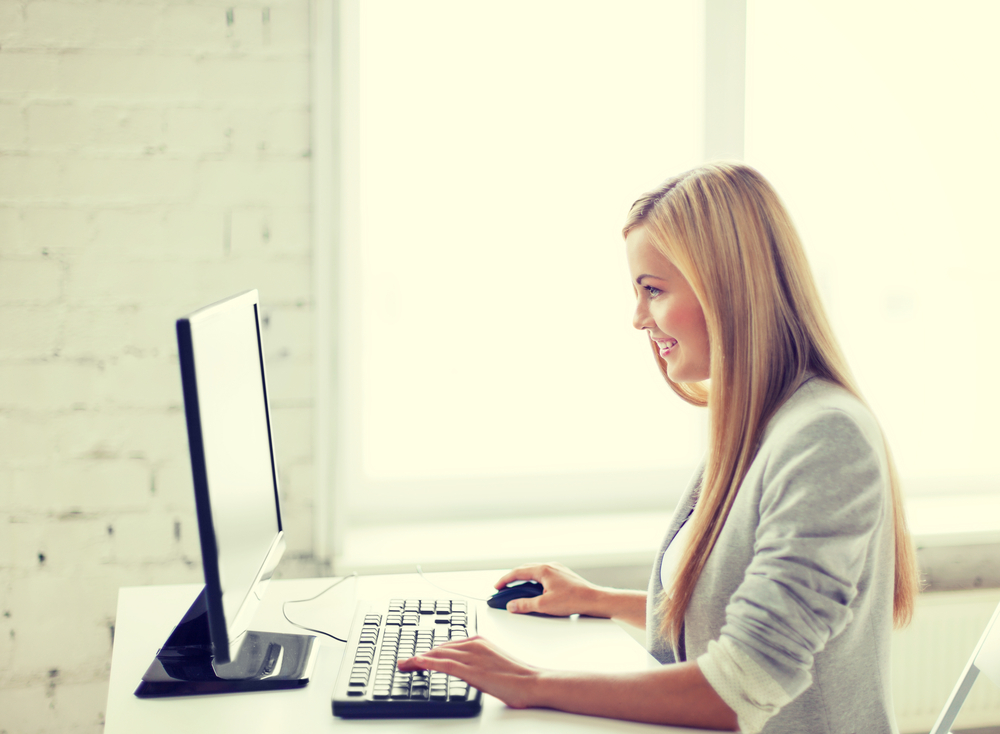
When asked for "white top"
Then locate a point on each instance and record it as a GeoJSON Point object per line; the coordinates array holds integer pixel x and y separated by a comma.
{"type": "Point", "coordinates": [672, 556]}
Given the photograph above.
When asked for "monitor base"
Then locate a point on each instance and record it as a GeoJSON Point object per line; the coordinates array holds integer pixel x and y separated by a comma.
{"type": "Point", "coordinates": [184, 666]}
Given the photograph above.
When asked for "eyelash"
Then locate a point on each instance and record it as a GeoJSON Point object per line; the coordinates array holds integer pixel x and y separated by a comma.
{"type": "Point", "coordinates": [651, 292]}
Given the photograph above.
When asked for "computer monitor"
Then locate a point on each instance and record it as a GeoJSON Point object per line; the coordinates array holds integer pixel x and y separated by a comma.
{"type": "Point", "coordinates": [986, 659]}
{"type": "Point", "coordinates": [213, 649]}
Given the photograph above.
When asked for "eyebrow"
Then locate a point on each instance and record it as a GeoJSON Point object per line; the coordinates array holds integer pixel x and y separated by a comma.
{"type": "Point", "coordinates": [647, 275]}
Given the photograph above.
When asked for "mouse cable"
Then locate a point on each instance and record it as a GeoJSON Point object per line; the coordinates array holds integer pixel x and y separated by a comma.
{"type": "Point", "coordinates": [456, 593]}
{"type": "Point", "coordinates": [311, 598]}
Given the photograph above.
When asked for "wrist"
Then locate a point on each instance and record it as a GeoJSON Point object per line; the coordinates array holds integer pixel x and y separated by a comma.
{"type": "Point", "coordinates": [627, 605]}
{"type": "Point", "coordinates": [543, 689]}
{"type": "Point", "coordinates": [598, 601]}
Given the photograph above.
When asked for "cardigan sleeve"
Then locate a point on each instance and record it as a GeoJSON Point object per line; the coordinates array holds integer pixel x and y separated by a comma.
{"type": "Point", "coordinates": [747, 689]}
{"type": "Point", "coordinates": [822, 500]}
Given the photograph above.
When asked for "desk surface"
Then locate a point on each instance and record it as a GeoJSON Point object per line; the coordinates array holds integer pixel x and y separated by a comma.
{"type": "Point", "coordinates": [147, 614]}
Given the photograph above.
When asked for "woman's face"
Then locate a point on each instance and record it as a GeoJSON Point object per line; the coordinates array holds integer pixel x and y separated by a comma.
{"type": "Point", "coordinates": [668, 310]}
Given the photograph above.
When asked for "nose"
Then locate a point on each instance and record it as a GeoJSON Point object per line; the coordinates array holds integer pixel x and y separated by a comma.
{"type": "Point", "coordinates": [641, 317]}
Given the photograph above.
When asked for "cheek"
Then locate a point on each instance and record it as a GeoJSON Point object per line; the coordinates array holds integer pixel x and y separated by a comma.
{"type": "Point", "coordinates": [697, 322]}
{"type": "Point", "coordinates": [684, 320]}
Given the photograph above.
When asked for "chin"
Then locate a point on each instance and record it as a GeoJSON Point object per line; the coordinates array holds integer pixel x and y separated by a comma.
{"type": "Point", "coordinates": [682, 380]}
{"type": "Point", "coordinates": [684, 376]}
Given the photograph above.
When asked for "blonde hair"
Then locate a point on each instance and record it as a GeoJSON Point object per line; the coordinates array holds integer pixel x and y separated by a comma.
{"type": "Point", "coordinates": [726, 230]}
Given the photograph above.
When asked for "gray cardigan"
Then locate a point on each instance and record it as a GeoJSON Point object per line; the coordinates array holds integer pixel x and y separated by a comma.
{"type": "Point", "coordinates": [801, 578]}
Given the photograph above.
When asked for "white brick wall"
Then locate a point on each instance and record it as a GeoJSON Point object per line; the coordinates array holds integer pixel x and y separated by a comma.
{"type": "Point", "coordinates": [154, 157]}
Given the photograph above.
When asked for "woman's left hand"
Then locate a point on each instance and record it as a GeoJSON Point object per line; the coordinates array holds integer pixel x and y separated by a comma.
{"type": "Point", "coordinates": [480, 664]}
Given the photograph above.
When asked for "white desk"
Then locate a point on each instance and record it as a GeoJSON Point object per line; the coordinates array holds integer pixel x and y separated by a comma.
{"type": "Point", "coordinates": [147, 614]}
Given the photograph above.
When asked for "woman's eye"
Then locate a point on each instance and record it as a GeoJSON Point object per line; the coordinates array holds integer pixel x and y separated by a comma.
{"type": "Point", "coordinates": [651, 291]}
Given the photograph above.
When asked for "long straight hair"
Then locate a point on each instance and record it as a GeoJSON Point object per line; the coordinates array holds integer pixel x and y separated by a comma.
{"type": "Point", "coordinates": [726, 230]}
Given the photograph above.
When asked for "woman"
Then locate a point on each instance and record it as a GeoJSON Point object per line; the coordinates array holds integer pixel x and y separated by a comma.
{"type": "Point", "coordinates": [788, 560]}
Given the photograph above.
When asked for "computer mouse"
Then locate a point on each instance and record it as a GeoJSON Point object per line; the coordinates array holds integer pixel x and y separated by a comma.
{"type": "Point", "coordinates": [514, 590]}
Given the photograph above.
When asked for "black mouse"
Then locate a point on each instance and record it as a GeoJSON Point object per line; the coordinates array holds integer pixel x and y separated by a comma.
{"type": "Point", "coordinates": [514, 590]}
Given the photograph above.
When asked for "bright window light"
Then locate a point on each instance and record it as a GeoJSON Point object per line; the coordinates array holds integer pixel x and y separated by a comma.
{"type": "Point", "coordinates": [877, 122]}
{"type": "Point", "coordinates": [501, 147]}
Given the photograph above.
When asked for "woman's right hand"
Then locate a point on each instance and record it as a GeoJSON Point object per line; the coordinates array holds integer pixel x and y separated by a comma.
{"type": "Point", "coordinates": [563, 592]}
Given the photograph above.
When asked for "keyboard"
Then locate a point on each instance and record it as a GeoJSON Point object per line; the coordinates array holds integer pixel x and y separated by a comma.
{"type": "Point", "coordinates": [368, 683]}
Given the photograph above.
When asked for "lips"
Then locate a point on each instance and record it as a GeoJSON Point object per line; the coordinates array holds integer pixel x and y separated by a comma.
{"type": "Point", "coordinates": [665, 346]}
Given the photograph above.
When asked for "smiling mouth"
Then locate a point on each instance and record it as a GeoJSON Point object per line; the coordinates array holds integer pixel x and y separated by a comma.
{"type": "Point", "coordinates": [665, 346]}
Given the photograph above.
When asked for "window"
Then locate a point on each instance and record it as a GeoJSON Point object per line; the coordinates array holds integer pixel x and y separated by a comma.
{"type": "Point", "coordinates": [492, 367]}
{"type": "Point", "coordinates": [490, 155]}
{"type": "Point", "coordinates": [877, 124]}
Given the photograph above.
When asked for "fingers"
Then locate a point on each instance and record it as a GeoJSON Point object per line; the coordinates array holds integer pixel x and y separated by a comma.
{"type": "Point", "coordinates": [446, 658]}
{"type": "Point", "coordinates": [454, 648]}
{"type": "Point", "coordinates": [521, 573]}
{"type": "Point", "coordinates": [526, 605]}
{"type": "Point", "coordinates": [426, 662]}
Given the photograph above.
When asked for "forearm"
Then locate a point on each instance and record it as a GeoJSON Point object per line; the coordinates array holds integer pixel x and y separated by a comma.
{"type": "Point", "coordinates": [674, 694]}
{"type": "Point", "coordinates": [624, 605]}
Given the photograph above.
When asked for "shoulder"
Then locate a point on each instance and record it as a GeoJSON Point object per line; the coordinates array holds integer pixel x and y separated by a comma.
{"type": "Point", "coordinates": [821, 411]}
{"type": "Point", "coordinates": [823, 437]}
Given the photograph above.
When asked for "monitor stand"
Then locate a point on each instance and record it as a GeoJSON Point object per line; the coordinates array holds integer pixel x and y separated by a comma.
{"type": "Point", "coordinates": [184, 666]}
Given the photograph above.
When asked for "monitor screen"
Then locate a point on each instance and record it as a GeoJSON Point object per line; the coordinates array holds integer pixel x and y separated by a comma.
{"type": "Point", "coordinates": [232, 459]}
